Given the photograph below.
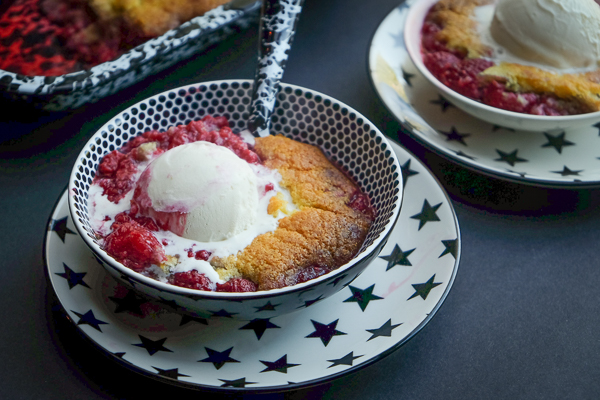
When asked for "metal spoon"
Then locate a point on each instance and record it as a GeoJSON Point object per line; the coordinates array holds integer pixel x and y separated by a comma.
{"type": "Point", "coordinates": [276, 32]}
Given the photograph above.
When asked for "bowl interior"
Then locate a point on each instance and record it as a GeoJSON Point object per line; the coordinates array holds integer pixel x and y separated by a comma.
{"type": "Point", "coordinates": [344, 135]}
{"type": "Point", "coordinates": [412, 36]}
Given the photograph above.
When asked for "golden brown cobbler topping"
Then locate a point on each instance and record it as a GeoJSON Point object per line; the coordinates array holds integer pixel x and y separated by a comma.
{"type": "Point", "coordinates": [325, 231]}
{"type": "Point", "coordinates": [152, 17]}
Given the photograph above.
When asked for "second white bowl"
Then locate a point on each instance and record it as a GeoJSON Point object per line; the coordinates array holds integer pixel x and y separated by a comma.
{"type": "Point", "coordinates": [510, 119]}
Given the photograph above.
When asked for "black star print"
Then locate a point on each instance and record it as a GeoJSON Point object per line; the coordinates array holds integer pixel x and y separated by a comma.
{"type": "Point", "coordinates": [152, 346]}
{"type": "Point", "coordinates": [423, 289]}
{"type": "Point", "coordinates": [407, 172]}
{"type": "Point", "coordinates": [407, 77]}
{"type": "Point", "coordinates": [72, 277]}
{"type": "Point", "coordinates": [567, 172]}
{"type": "Point", "coordinates": [130, 303]}
{"type": "Point", "coordinates": [127, 280]}
{"type": "Point", "coordinates": [454, 136]}
{"type": "Point", "coordinates": [408, 124]}
{"type": "Point", "coordinates": [348, 359]}
{"type": "Point", "coordinates": [60, 227]}
{"type": "Point", "coordinates": [558, 142]}
{"type": "Point", "coordinates": [309, 303]}
{"type": "Point", "coordinates": [398, 39]}
{"type": "Point", "coordinates": [171, 304]}
{"type": "Point", "coordinates": [186, 319]}
{"type": "Point", "coordinates": [325, 332]}
{"type": "Point", "coordinates": [119, 354]}
{"type": "Point", "coordinates": [383, 330]}
{"type": "Point", "coordinates": [443, 103]}
{"type": "Point", "coordinates": [259, 326]}
{"type": "Point", "coordinates": [218, 358]}
{"type": "Point", "coordinates": [521, 174]}
{"type": "Point", "coordinates": [451, 247]}
{"type": "Point", "coordinates": [362, 296]}
{"type": "Point", "coordinates": [398, 257]}
{"type": "Point", "coordinates": [169, 373]}
{"type": "Point", "coordinates": [597, 126]}
{"type": "Point", "coordinates": [498, 127]}
{"type": "Point", "coordinates": [510, 158]}
{"type": "Point", "coordinates": [402, 6]}
{"type": "Point", "coordinates": [337, 280]}
{"type": "Point", "coordinates": [89, 319]}
{"type": "Point", "coordinates": [267, 307]}
{"type": "Point", "coordinates": [280, 365]}
{"type": "Point", "coordinates": [223, 313]}
{"type": "Point", "coordinates": [236, 383]}
{"type": "Point", "coordinates": [427, 214]}
{"type": "Point", "coordinates": [461, 154]}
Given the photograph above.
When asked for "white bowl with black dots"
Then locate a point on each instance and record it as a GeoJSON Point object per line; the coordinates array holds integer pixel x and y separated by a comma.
{"type": "Point", "coordinates": [345, 136]}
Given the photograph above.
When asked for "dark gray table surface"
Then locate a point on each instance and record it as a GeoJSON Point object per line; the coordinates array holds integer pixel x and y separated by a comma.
{"type": "Point", "coordinates": [520, 322]}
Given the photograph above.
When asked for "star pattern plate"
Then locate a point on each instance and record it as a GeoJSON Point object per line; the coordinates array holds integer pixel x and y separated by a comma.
{"type": "Point", "coordinates": [379, 311]}
{"type": "Point", "coordinates": [564, 158]}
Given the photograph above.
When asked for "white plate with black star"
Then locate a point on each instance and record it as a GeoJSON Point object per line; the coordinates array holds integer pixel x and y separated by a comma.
{"type": "Point", "coordinates": [379, 311]}
{"type": "Point", "coordinates": [565, 158]}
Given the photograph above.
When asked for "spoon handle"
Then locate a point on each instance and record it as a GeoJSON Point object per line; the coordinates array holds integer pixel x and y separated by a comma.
{"type": "Point", "coordinates": [276, 32]}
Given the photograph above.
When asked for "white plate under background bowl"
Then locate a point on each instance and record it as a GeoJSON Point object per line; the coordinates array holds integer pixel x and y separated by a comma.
{"type": "Point", "coordinates": [384, 307]}
{"type": "Point", "coordinates": [552, 158]}
{"type": "Point", "coordinates": [412, 36]}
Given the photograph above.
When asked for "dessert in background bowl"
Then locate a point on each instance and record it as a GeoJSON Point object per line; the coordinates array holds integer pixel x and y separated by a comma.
{"type": "Point", "coordinates": [57, 37]}
{"type": "Point", "coordinates": [529, 80]}
{"type": "Point", "coordinates": [38, 51]}
{"type": "Point", "coordinates": [334, 149]}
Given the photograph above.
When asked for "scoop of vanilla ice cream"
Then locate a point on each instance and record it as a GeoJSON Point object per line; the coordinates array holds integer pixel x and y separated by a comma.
{"type": "Point", "coordinates": [214, 190]}
{"type": "Point", "coordinates": [563, 34]}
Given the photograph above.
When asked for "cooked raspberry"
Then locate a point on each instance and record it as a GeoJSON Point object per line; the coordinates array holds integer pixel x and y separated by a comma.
{"type": "Point", "coordinates": [198, 255]}
{"type": "Point", "coordinates": [361, 203]}
{"type": "Point", "coordinates": [110, 163]}
{"type": "Point", "coordinates": [438, 62]}
{"type": "Point", "coordinates": [237, 285]}
{"type": "Point", "coordinates": [459, 75]}
{"type": "Point", "coordinates": [202, 255]}
{"type": "Point", "coordinates": [311, 272]}
{"type": "Point", "coordinates": [134, 246]}
{"type": "Point", "coordinates": [115, 175]}
{"type": "Point", "coordinates": [496, 95]}
{"type": "Point", "coordinates": [191, 280]}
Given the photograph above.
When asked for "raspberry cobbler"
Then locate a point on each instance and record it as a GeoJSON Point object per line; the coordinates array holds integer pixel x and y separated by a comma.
{"type": "Point", "coordinates": [56, 37]}
{"type": "Point", "coordinates": [454, 53]}
{"type": "Point", "coordinates": [322, 217]}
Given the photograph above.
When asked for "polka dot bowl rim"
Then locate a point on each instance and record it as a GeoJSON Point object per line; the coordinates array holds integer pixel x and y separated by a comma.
{"type": "Point", "coordinates": [510, 119]}
{"type": "Point", "coordinates": [172, 95]}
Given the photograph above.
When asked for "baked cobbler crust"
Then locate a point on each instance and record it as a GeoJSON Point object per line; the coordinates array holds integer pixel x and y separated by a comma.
{"type": "Point", "coordinates": [325, 231]}
{"type": "Point", "coordinates": [152, 17]}
{"type": "Point", "coordinates": [459, 30]}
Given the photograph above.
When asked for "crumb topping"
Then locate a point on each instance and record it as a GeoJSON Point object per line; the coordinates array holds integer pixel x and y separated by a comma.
{"type": "Point", "coordinates": [326, 231]}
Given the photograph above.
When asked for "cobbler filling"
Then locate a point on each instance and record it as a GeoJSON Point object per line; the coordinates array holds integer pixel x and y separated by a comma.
{"type": "Point", "coordinates": [461, 74]}
{"type": "Point", "coordinates": [131, 238]}
{"type": "Point", "coordinates": [52, 37]}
